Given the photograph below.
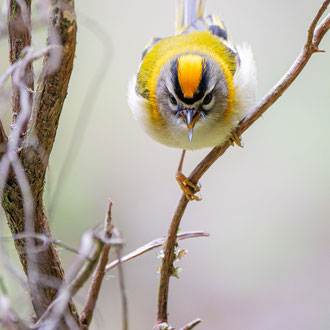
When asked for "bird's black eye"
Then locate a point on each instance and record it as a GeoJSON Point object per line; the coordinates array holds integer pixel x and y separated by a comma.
{"type": "Point", "coordinates": [173, 99]}
{"type": "Point", "coordinates": [207, 99]}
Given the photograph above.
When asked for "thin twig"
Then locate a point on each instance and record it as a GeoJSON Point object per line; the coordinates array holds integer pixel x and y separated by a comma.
{"type": "Point", "coordinates": [322, 29]}
{"type": "Point", "coordinates": [311, 30]}
{"type": "Point", "coordinates": [191, 324]}
{"type": "Point", "coordinates": [93, 293]}
{"type": "Point", "coordinates": [29, 57]}
{"type": "Point", "coordinates": [45, 239]}
{"type": "Point", "coordinates": [122, 285]}
{"type": "Point", "coordinates": [308, 50]}
{"type": "Point", "coordinates": [87, 270]}
{"type": "Point", "coordinates": [77, 276]}
{"type": "Point", "coordinates": [152, 245]}
{"type": "Point", "coordinates": [19, 31]}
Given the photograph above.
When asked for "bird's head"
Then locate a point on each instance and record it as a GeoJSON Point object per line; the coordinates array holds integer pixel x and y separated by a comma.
{"type": "Point", "coordinates": [190, 88]}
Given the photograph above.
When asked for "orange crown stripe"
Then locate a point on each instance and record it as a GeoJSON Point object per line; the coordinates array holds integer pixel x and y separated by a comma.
{"type": "Point", "coordinates": [190, 68]}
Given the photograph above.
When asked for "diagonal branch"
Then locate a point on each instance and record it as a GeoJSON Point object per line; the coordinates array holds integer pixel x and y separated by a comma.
{"type": "Point", "coordinates": [308, 50]}
{"type": "Point", "coordinates": [94, 290]}
{"type": "Point", "coordinates": [78, 274]}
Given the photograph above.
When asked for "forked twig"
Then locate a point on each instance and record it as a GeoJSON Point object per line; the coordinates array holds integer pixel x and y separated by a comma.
{"type": "Point", "coordinates": [315, 35]}
{"type": "Point", "coordinates": [93, 293]}
{"type": "Point", "coordinates": [78, 274]}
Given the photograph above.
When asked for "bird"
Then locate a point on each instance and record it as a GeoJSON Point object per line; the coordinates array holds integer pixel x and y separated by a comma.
{"type": "Point", "coordinates": [192, 89]}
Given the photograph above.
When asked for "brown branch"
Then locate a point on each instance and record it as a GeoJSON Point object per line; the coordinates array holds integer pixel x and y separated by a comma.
{"type": "Point", "coordinates": [309, 49]}
{"type": "Point", "coordinates": [322, 29]}
{"type": "Point", "coordinates": [152, 245]}
{"type": "Point", "coordinates": [168, 260]}
{"type": "Point", "coordinates": [19, 31]}
{"type": "Point", "coordinates": [29, 57]}
{"type": "Point", "coordinates": [93, 293]}
{"type": "Point", "coordinates": [35, 151]}
{"type": "Point", "coordinates": [316, 19]}
{"type": "Point", "coordinates": [77, 276]}
{"type": "Point", "coordinates": [86, 271]}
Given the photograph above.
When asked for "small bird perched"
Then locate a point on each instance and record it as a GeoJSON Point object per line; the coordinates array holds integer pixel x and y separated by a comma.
{"type": "Point", "coordinates": [192, 89]}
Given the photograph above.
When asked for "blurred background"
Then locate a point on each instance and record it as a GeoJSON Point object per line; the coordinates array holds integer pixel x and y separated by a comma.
{"type": "Point", "coordinates": [266, 264]}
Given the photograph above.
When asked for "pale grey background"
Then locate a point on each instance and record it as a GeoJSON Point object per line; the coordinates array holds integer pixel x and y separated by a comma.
{"type": "Point", "coordinates": [266, 265]}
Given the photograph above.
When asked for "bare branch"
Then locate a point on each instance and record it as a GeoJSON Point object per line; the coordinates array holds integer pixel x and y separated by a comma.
{"type": "Point", "coordinates": [152, 245]}
{"type": "Point", "coordinates": [87, 270]}
{"type": "Point", "coordinates": [28, 58]}
{"type": "Point", "coordinates": [322, 29]}
{"type": "Point", "coordinates": [32, 158]}
{"type": "Point", "coordinates": [93, 293]}
{"type": "Point", "coordinates": [167, 262]}
{"type": "Point", "coordinates": [309, 49]}
{"type": "Point", "coordinates": [311, 30]}
{"type": "Point", "coordinates": [19, 30]}
{"type": "Point", "coordinates": [77, 276]}
{"type": "Point", "coordinates": [45, 240]}
{"type": "Point", "coordinates": [121, 284]}
{"type": "Point", "coordinates": [191, 324]}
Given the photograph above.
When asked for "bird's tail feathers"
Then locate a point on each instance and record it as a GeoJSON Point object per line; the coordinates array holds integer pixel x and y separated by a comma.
{"type": "Point", "coordinates": [187, 12]}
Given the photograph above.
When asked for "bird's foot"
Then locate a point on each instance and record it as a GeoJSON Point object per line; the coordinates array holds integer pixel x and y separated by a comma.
{"type": "Point", "coordinates": [235, 139]}
{"type": "Point", "coordinates": [189, 189]}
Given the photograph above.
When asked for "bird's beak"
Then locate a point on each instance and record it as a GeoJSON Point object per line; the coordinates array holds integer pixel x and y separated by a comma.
{"type": "Point", "coordinates": [190, 116]}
